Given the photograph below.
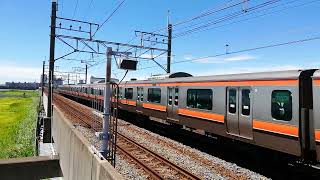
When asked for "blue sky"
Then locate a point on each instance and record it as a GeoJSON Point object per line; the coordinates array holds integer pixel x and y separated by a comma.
{"type": "Point", "coordinates": [24, 35]}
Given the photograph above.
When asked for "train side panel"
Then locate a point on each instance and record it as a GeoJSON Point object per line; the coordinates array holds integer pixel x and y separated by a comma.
{"type": "Point", "coordinates": [316, 111]}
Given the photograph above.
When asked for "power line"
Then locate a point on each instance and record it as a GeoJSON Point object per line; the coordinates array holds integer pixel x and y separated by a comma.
{"type": "Point", "coordinates": [204, 14]}
{"type": "Point", "coordinates": [264, 14]}
{"type": "Point", "coordinates": [109, 17]}
{"type": "Point", "coordinates": [244, 50]}
{"type": "Point", "coordinates": [75, 9]}
{"type": "Point", "coordinates": [225, 18]}
{"type": "Point", "coordinates": [88, 9]}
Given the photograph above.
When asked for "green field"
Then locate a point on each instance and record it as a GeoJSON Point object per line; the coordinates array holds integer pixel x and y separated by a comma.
{"type": "Point", "coordinates": [18, 117]}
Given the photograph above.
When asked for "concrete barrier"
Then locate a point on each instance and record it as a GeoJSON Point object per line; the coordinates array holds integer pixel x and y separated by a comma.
{"type": "Point", "coordinates": [77, 159]}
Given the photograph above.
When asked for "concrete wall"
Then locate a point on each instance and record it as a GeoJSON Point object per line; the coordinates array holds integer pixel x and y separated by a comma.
{"type": "Point", "coordinates": [77, 159]}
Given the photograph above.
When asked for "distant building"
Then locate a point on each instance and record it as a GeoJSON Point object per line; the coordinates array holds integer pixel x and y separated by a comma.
{"type": "Point", "coordinates": [95, 80]}
{"type": "Point", "coordinates": [22, 85]}
{"type": "Point", "coordinates": [57, 82]}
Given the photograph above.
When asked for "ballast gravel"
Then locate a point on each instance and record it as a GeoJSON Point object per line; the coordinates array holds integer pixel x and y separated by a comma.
{"type": "Point", "coordinates": [199, 163]}
{"type": "Point", "coordinates": [125, 168]}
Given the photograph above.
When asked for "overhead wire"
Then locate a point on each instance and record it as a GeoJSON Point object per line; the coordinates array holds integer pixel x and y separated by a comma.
{"type": "Point", "coordinates": [222, 7]}
{"type": "Point", "coordinates": [264, 14]}
{"type": "Point", "coordinates": [225, 18]}
{"type": "Point", "coordinates": [123, 76]}
{"type": "Point", "coordinates": [206, 13]}
{"type": "Point", "coordinates": [88, 9]}
{"type": "Point", "coordinates": [75, 9]}
{"type": "Point", "coordinates": [243, 50]}
{"type": "Point", "coordinates": [109, 17]}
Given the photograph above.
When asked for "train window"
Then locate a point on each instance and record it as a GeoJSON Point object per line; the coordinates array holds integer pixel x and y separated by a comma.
{"type": "Point", "coordinates": [92, 91]}
{"type": "Point", "coordinates": [232, 101]}
{"type": "Point", "coordinates": [170, 96]}
{"type": "Point", "coordinates": [245, 102]}
{"type": "Point", "coordinates": [199, 98]}
{"type": "Point", "coordinates": [176, 96]}
{"type": "Point", "coordinates": [120, 92]}
{"type": "Point", "coordinates": [281, 105]}
{"type": "Point", "coordinates": [154, 95]}
{"type": "Point", "coordinates": [128, 93]}
{"type": "Point", "coordinates": [141, 94]}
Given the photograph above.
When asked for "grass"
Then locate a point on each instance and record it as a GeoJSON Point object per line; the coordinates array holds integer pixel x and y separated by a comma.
{"type": "Point", "coordinates": [18, 117]}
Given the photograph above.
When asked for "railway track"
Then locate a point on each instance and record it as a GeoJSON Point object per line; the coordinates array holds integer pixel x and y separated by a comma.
{"type": "Point", "coordinates": [157, 166]}
{"type": "Point", "coordinates": [76, 112]}
{"type": "Point", "coordinates": [154, 165]}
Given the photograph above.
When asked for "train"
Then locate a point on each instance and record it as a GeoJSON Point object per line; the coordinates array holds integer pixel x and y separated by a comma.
{"type": "Point", "coordinates": [277, 110]}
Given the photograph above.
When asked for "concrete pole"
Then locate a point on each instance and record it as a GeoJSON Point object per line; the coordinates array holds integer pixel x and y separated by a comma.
{"type": "Point", "coordinates": [106, 111]}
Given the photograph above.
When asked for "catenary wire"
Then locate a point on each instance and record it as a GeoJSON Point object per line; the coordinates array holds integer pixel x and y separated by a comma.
{"type": "Point", "coordinates": [264, 14]}
{"type": "Point", "coordinates": [225, 18]}
{"type": "Point", "coordinates": [109, 17]}
{"type": "Point", "coordinates": [244, 50]}
{"type": "Point", "coordinates": [75, 9]}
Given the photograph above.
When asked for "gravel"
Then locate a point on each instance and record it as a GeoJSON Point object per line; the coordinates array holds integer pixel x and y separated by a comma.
{"type": "Point", "coordinates": [127, 169]}
{"type": "Point", "coordinates": [199, 163]}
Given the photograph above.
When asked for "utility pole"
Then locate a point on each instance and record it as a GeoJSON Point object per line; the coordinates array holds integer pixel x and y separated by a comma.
{"type": "Point", "coordinates": [86, 73]}
{"type": "Point", "coordinates": [42, 78]}
{"type": "Point", "coordinates": [47, 124]}
{"type": "Point", "coordinates": [68, 79]}
{"type": "Point", "coordinates": [106, 111]}
{"type": "Point", "coordinates": [169, 48]}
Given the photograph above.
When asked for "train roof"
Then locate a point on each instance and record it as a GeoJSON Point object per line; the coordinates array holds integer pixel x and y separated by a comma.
{"type": "Point", "coordinates": [290, 74]}
{"type": "Point", "coordinates": [270, 75]}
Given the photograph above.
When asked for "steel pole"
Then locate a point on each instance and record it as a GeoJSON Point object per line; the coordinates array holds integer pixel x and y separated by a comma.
{"type": "Point", "coordinates": [47, 123]}
{"type": "Point", "coordinates": [42, 78]}
{"type": "Point", "coordinates": [86, 73]}
{"type": "Point", "coordinates": [51, 60]}
{"type": "Point", "coordinates": [169, 48]}
{"type": "Point", "coordinates": [106, 111]}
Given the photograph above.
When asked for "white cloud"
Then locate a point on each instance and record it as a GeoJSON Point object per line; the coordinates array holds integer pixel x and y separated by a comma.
{"type": "Point", "coordinates": [244, 57]}
{"type": "Point", "coordinates": [19, 73]}
{"type": "Point", "coordinates": [218, 60]}
{"type": "Point", "coordinates": [149, 56]}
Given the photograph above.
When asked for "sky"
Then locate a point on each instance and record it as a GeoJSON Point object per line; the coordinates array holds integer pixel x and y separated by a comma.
{"type": "Point", "coordinates": [24, 35]}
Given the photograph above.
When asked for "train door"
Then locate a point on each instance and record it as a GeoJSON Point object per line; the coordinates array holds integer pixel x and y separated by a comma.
{"type": "Point", "coordinates": [139, 98]}
{"type": "Point", "coordinates": [172, 103]}
{"type": "Point", "coordinates": [239, 111]}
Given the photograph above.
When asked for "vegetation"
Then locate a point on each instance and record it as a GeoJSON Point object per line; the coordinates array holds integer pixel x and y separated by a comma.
{"type": "Point", "coordinates": [18, 115]}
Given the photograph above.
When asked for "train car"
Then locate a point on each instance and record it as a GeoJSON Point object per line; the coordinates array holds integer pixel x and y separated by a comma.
{"type": "Point", "coordinates": [268, 109]}
{"type": "Point", "coordinates": [265, 109]}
